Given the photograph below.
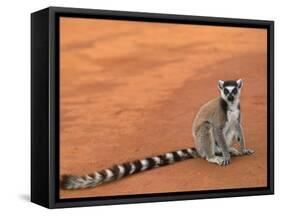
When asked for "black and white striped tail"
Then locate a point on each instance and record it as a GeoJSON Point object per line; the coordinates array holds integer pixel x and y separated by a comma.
{"type": "Point", "coordinates": [119, 171]}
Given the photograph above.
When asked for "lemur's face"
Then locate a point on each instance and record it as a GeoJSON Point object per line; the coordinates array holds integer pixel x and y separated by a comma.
{"type": "Point", "coordinates": [230, 90]}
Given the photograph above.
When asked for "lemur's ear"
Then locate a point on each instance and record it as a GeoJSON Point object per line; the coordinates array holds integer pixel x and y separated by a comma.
{"type": "Point", "coordinates": [220, 84]}
{"type": "Point", "coordinates": [240, 83]}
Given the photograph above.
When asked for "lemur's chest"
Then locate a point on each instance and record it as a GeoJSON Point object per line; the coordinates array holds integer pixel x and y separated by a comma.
{"type": "Point", "coordinates": [233, 116]}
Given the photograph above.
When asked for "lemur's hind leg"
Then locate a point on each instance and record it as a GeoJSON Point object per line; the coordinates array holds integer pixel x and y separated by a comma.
{"type": "Point", "coordinates": [232, 151]}
{"type": "Point", "coordinates": [205, 144]}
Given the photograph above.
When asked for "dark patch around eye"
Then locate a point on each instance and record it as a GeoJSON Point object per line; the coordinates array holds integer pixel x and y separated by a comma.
{"type": "Point", "coordinates": [225, 91]}
{"type": "Point", "coordinates": [234, 91]}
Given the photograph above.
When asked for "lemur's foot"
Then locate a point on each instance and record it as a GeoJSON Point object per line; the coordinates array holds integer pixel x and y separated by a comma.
{"type": "Point", "coordinates": [219, 160]}
{"type": "Point", "coordinates": [225, 162]}
{"type": "Point", "coordinates": [234, 152]}
{"type": "Point", "coordinates": [247, 151]}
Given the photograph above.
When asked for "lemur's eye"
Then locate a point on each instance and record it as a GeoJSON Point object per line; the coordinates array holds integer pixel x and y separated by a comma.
{"type": "Point", "coordinates": [225, 91]}
{"type": "Point", "coordinates": [234, 91]}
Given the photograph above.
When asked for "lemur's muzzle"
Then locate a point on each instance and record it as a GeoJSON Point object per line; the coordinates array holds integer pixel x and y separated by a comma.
{"type": "Point", "coordinates": [230, 98]}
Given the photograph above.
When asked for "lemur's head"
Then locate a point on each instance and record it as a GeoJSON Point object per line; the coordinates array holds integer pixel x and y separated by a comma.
{"type": "Point", "coordinates": [230, 90]}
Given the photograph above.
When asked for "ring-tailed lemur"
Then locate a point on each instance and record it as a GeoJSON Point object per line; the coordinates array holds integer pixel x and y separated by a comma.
{"type": "Point", "coordinates": [216, 127]}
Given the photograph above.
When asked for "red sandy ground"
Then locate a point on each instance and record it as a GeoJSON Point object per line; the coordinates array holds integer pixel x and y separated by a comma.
{"type": "Point", "coordinates": [131, 90]}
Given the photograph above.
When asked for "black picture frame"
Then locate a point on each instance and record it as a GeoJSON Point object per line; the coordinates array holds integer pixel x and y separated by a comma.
{"type": "Point", "coordinates": [45, 106]}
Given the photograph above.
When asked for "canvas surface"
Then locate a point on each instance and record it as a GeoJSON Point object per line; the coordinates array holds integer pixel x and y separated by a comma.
{"type": "Point", "coordinates": [129, 90]}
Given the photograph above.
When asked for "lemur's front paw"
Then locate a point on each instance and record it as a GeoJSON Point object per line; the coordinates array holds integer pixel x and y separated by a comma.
{"type": "Point", "coordinates": [225, 162]}
{"type": "Point", "coordinates": [247, 151]}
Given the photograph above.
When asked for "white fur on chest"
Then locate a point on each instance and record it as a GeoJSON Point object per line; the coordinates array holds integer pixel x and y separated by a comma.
{"type": "Point", "coordinates": [230, 127]}
{"type": "Point", "coordinates": [233, 116]}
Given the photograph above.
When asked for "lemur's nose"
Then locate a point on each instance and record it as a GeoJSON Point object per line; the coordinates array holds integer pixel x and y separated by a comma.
{"type": "Point", "coordinates": [230, 98]}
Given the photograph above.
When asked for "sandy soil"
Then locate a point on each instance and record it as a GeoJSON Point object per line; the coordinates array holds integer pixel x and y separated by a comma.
{"type": "Point", "coordinates": [131, 90]}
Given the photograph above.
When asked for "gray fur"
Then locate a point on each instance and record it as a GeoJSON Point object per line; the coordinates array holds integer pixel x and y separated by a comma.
{"type": "Point", "coordinates": [217, 125]}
